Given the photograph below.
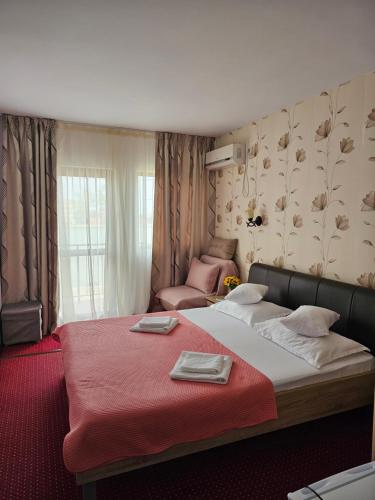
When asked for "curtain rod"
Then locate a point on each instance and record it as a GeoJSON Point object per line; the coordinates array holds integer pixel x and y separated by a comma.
{"type": "Point", "coordinates": [86, 127]}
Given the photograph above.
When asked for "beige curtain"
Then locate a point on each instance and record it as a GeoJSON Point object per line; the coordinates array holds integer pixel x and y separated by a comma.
{"type": "Point", "coordinates": [184, 214]}
{"type": "Point", "coordinates": [29, 221]}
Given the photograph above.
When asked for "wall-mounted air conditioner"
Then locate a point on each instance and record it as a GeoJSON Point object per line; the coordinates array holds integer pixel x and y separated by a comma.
{"type": "Point", "coordinates": [227, 156]}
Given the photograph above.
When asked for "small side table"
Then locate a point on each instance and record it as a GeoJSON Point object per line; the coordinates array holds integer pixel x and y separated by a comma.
{"type": "Point", "coordinates": [214, 299]}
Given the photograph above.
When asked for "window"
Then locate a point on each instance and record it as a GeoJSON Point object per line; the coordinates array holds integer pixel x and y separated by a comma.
{"type": "Point", "coordinates": [105, 218]}
{"type": "Point", "coordinates": [83, 244]}
{"type": "Point", "coordinates": [146, 186]}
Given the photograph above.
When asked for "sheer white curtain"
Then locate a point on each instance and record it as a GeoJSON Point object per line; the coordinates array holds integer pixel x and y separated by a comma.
{"type": "Point", "coordinates": [105, 217]}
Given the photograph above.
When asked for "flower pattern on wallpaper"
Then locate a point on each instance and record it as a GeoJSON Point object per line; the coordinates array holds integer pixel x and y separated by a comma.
{"type": "Point", "coordinates": [289, 223]}
{"type": "Point", "coordinates": [319, 218]}
{"type": "Point", "coordinates": [326, 204]}
{"type": "Point", "coordinates": [368, 205]}
{"type": "Point", "coordinates": [240, 183]}
{"type": "Point", "coordinates": [367, 280]}
{"type": "Point", "coordinates": [227, 210]}
{"type": "Point", "coordinates": [371, 119]}
{"type": "Point", "coordinates": [224, 213]}
{"type": "Point", "coordinates": [229, 207]}
{"type": "Point", "coordinates": [258, 171]}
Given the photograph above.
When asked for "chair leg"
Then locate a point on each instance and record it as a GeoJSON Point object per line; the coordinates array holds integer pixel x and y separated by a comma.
{"type": "Point", "coordinates": [89, 491]}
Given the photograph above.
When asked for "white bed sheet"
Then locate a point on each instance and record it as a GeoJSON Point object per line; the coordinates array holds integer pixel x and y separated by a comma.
{"type": "Point", "coordinates": [285, 370]}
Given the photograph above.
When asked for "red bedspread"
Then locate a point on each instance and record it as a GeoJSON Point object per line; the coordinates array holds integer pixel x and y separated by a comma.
{"type": "Point", "coordinates": [123, 404]}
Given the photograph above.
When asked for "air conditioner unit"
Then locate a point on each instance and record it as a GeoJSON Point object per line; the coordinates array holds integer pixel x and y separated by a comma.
{"type": "Point", "coordinates": [227, 156]}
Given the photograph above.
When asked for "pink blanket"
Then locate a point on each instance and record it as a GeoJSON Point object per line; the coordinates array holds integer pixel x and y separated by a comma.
{"type": "Point", "coordinates": [123, 404]}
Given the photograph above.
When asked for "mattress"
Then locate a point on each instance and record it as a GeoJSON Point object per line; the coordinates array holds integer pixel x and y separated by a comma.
{"type": "Point", "coordinates": [285, 370]}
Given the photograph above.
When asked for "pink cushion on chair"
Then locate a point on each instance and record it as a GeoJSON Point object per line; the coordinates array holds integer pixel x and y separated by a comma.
{"type": "Point", "coordinates": [227, 268]}
{"type": "Point", "coordinates": [223, 248]}
{"type": "Point", "coordinates": [202, 276]}
{"type": "Point", "coordinates": [181, 297]}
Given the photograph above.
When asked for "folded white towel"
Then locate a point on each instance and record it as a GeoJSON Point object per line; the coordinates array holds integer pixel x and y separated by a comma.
{"type": "Point", "coordinates": [219, 378]}
{"type": "Point", "coordinates": [201, 362]}
{"type": "Point", "coordinates": [155, 321]}
{"type": "Point", "coordinates": [148, 329]}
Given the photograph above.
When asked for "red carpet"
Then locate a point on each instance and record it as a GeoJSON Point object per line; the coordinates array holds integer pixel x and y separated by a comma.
{"type": "Point", "coordinates": [33, 422]}
{"type": "Point", "coordinates": [48, 344]}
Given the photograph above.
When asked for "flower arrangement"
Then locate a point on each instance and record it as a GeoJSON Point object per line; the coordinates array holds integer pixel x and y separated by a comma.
{"type": "Point", "coordinates": [231, 282]}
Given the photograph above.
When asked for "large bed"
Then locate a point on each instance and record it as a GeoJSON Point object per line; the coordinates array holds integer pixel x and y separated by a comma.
{"type": "Point", "coordinates": [302, 393]}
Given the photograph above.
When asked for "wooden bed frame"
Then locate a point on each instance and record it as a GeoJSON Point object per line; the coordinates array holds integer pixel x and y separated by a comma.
{"type": "Point", "coordinates": [295, 406]}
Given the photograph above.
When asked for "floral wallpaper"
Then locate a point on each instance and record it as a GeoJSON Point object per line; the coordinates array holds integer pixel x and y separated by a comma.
{"type": "Point", "coordinates": [310, 173]}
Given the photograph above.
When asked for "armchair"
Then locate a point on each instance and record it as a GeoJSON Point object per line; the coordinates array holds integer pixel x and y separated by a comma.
{"type": "Point", "coordinates": [186, 297]}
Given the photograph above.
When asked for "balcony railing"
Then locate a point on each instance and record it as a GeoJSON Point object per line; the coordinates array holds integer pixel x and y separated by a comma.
{"type": "Point", "coordinates": [87, 274]}
{"type": "Point", "coordinates": [86, 267]}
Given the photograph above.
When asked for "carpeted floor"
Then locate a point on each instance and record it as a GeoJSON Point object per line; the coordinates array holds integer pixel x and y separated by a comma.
{"type": "Point", "coordinates": [48, 344]}
{"type": "Point", "coordinates": [34, 420]}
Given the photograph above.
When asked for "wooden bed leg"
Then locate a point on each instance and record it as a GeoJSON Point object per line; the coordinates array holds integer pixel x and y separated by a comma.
{"type": "Point", "coordinates": [89, 491]}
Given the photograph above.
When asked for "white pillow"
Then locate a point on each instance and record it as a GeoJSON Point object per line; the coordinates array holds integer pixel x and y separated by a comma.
{"type": "Point", "coordinates": [247, 293]}
{"type": "Point", "coordinates": [251, 313]}
{"type": "Point", "coordinates": [317, 351]}
{"type": "Point", "coordinates": [311, 321]}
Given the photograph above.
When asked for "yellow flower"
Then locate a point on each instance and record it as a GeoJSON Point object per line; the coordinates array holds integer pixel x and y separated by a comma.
{"type": "Point", "coordinates": [232, 281]}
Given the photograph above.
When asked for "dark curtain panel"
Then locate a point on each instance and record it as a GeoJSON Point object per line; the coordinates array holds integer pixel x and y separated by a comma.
{"type": "Point", "coordinates": [29, 220]}
{"type": "Point", "coordinates": [184, 214]}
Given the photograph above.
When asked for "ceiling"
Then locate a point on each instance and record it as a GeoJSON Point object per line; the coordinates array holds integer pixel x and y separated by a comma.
{"type": "Point", "coordinates": [193, 66]}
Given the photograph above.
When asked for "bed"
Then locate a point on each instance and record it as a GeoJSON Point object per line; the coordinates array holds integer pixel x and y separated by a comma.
{"type": "Point", "coordinates": [301, 393]}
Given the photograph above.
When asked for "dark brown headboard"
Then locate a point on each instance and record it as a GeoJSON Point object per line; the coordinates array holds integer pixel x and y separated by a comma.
{"type": "Point", "coordinates": [355, 304]}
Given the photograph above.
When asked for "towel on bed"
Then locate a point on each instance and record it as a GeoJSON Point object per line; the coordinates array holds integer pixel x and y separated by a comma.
{"type": "Point", "coordinates": [149, 329]}
{"type": "Point", "coordinates": [155, 321]}
{"type": "Point", "coordinates": [201, 362]}
{"type": "Point", "coordinates": [214, 378]}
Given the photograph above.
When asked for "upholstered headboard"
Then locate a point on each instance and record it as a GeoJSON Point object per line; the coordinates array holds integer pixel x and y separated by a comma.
{"type": "Point", "coordinates": [355, 304]}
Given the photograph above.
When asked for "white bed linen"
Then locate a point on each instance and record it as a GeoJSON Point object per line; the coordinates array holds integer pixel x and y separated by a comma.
{"type": "Point", "coordinates": [285, 370]}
